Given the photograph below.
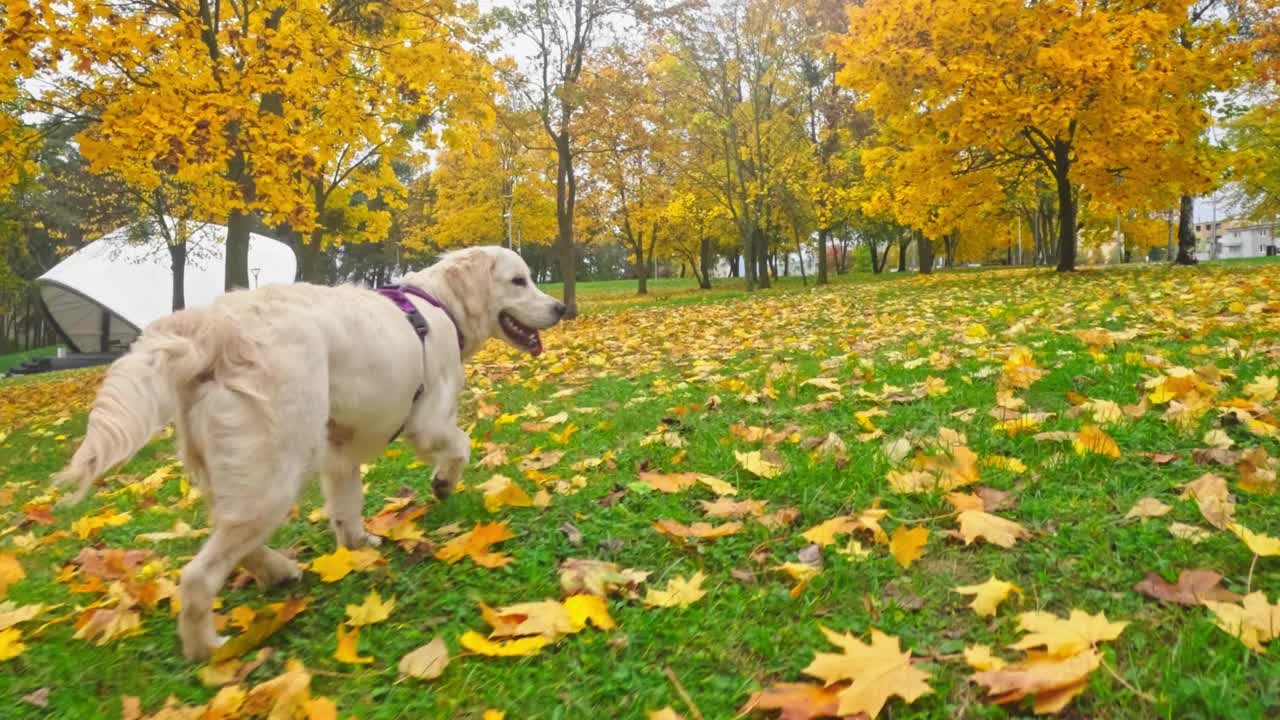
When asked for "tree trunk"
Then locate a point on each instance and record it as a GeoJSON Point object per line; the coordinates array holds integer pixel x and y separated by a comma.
{"type": "Point", "coordinates": [566, 190]}
{"type": "Point", "coordinates": [924, 254]}
{"type": "Point", "coordinates": [949, 246]}
{"type": "Point", "coordinates": [178, 264]}
{"type": "Point", "coordinates": [1066, 208]}
{"type": "Point", "coordinates": [903, 244]}
{"type": "Point", "coordinates": [1186, 236]}
{"type": "Point", "coordinates": [804, 278]}
{"type": "Point", "coordinates": [707, 252]}
{"type": "Point", "coordinates": [735, 262]}
{"type": "Point", "coordinates": [761, 246]}
{"type": "Point", "coordinates": [642, 269]}
{"type": "Point", "coordinates": [822, 257]}
{"type": "Point", "coordinates": [239, 225]}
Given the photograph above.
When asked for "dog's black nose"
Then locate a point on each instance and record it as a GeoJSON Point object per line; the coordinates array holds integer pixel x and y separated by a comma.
{"type": "Point", "coordinates": [559, 309]}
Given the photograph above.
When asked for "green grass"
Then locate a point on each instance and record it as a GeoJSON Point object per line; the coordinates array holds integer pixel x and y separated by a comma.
{"type": "Point", "coordinates": [13, 360]}
{"type": "Point", "coordinates": [633, 365]}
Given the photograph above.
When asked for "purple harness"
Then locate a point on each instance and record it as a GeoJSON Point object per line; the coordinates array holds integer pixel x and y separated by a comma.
{"type": "Point", "coordinates": [398, 294]}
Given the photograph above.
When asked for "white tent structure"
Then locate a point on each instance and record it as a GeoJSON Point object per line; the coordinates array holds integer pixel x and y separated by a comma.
{"type": "Point", "coordinates": [100, 297]}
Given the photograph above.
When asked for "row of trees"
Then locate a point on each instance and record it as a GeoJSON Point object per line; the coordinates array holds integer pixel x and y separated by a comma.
{"type": "Point", "coordinates": [370, 135]}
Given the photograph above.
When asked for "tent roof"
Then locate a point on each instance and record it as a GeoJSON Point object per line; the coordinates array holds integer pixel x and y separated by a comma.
{"type": "Point", "coordinates": [115, 286]}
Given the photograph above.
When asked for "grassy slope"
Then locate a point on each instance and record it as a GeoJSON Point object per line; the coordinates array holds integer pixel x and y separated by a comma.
{"type": "Point", "coordinates": [635, 365]}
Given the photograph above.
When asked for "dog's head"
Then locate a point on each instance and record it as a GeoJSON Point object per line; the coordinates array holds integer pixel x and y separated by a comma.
{"type": "Point", "coordinates": [494, 292]}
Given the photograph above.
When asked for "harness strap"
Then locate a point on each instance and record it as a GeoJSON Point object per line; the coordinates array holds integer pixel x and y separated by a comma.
{"type": "Point", "coordinates": [398, 294]}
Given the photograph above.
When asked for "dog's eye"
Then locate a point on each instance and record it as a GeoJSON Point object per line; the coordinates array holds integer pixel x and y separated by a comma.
{"type": "Point", "coordinates": [522, 282]}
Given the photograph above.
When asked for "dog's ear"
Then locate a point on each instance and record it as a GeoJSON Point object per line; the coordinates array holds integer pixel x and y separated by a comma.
{"type": "Point", "coordinates": [470, 278]}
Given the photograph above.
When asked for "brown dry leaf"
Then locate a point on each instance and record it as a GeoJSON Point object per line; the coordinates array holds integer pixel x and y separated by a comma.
{"type": "Point", "coordinates": [725, 508]}
{"type": "Point", "coordinates": [598, 577]}
{"type": "Point", "coordinates": [673, 483]}
{"type": "Point", "coordinates": [102, 625]}
{"type": "Point", "coordinates": [1054, 681]}
{"type": "Point", "coordinates": [879, 670]}
{"type": "Point", "coordinates": [109, 564]}
{"type": "Point", "coordinates": [995, 530]}
{"type": "Point", "coordinates": [797, 701]}
{"type": "Point", "coordinates": [907, 546]}
{"type": "Point", "coordinates": [538, 460]}
{"type": "Point", "coordinates": [778, 518]}
{"type": "Point", "coordinates": [475, 544]}
{"type": "Point", "coordinates": [1215, 456]}
{"type": "Point", "coordinates": [1194, 587]}
{"type": "Point", "coordinates": [965, 501]}
{"type": "Point", "coordinates": [1190, 533]}
{"type": "Point", "coordinates": [995, 500]}
{"type": "Point", "coordinates": [1214, 499]}
{"type": "Point", "coordinates": [701, 530]}
{"type": "Point", "coordinates": [1147, 507]}
{"type": "Point", "coordinates": [233, 671]}
{"type": "Point", "coordinates": [427, 662]}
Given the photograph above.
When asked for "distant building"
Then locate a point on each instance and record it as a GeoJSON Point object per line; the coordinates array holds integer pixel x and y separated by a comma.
{"type": "Point", "coordinates": [1234, 239]}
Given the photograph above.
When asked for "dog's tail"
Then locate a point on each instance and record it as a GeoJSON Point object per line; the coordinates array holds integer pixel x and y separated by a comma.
{"type": "Point", "coordinates": [143, 389]}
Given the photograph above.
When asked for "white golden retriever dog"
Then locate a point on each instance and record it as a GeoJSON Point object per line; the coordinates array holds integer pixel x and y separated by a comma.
{"type": "Point", "coordinates": [270, 387]}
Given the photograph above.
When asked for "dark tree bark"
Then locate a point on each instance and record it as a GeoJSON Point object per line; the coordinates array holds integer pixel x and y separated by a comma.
{"type": "Point", "coordinates": [178, 265]}
{"type": "Point", "coordinates": [924, 254]}
{"type": "Point", "coordinates": [1066, 207]}
{"type": "Point", "coordinates": [760, 247]}
{"type": "Point", "coordinates": [706, 259]}
{"type": "Point", "coordinates": [903, 244]}
{"type": "Point", "coordinates": [566, 197]}
{"type": "Point", "coordinates": [1186, 236]}
{"type": "Point", "coordinates": [822, 256]}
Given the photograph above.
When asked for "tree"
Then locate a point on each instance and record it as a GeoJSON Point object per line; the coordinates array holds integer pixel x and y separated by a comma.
{"type": "Point", "coordinates": [268, 107]}
{"type": "Point", "coordinates": [563, 34]}
{"type": "Point", "coordinates": [492, 190]}
{"type": "Point", "coordinates": [1095, 96]}
{"type": "Point", "coordinates": [1254, 135]}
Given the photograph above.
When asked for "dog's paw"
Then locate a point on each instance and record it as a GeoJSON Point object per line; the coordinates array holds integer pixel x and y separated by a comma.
{"type": "Point", "coordinates": [441, 487]}
{"type": "Point", "coordinates": [199, 651]}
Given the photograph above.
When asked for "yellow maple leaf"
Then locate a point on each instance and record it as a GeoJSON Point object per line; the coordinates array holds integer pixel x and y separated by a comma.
{"type": "Point", "coordinates": [988, 595]}
{"type": "Point", "coordinates": [475, 544]}
{"type": "Point", "coordinates": [755, 463]}
{"type": "Point", "coordinates": [879, 670]}
{"type": "Point", "coordinates": [825, 533]}
{"type": "Point", "coordinates": [491, 714]}
{"type": "Point", "coordinates": [1263, 388]}
{"type": "Point", "coordinates": [334, 566]}
{"type": "Point", "coordinates": [347, 651]}
{"type": "Point", "coordinates": [477, 643]}
{"type": "Point", "coordinates": [500, 491]}
{"type": "Point", "coordinates": [1092, 439]}
{"type": "Point", "coordinates": [1260, 544]}
{"type": "Point", "coordinates": [1254, 621]}
{"type": "Point", "coordinates": [102, 625]}
{"type": "Point", "coordinates": [1064, 637]}
{"type": "Point", "coordinates": [372, 610]}
{"type": "Point", "coordinates": [265, 623]}
{"type": "Point", "coordinates": [907, 546]}
{"type": "Point", "coordinates": [980, 657]}
{"type": "Point", "coordinates": [11, 645]}
{"type": "Point", "coordinates": [679, 592]}
{"type": "Point", "coordinates": [583, 609]}
{"type": "Point", "coordinates": [10, 572]}
{"type": "Point", "coordinates": [89, 525]}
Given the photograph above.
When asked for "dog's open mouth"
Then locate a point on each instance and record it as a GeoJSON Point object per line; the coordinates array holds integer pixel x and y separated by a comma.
{"type": "Point", "coordinates": [522, 335]}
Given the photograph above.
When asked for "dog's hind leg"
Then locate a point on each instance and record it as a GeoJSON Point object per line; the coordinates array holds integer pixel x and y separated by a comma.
{"type": "Point", "coordinates": [344, 502]}
{"type": "Point", "coordinates": [234, 539]}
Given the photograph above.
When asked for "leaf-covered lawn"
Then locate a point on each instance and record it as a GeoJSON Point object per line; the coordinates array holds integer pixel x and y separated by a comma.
{"type": "Point", "coordinates": [939, 490]}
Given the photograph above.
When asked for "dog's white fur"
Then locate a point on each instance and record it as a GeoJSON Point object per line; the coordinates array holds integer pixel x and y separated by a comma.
{"type": "Point", "coordinates": [272, 386]}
